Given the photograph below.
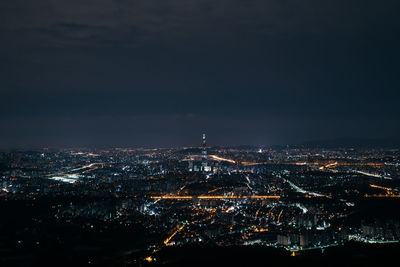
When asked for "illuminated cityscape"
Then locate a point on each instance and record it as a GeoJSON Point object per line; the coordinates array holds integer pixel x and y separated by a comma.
{"type": "Point", "coordinates": [199, 133]}
{"type": "Point", "coordinates": [290, 198]}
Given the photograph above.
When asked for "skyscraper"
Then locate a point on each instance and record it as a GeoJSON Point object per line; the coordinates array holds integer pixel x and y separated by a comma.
{"type": "Point", "coordinates": [204, 154]}
{"type": "Point", "coordinates": [202, 166]}
{"type": "Point", "coordinates": [204, 162]}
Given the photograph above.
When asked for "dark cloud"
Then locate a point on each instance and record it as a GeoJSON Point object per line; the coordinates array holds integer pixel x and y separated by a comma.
{"type": "Point", "coordinates": [179, 20]}
{"type": "Point", "coordinates": [247, 71]}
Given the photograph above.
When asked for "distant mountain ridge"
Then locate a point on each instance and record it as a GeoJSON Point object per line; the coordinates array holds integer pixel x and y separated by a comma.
{"type": "Point", "coordinates": [355, 142]}
{"type": "Point", "coordinates": [343, 142]}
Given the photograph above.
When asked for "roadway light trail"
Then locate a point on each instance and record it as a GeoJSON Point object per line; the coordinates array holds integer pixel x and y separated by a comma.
{"type": "Point", "coordinates": [166, 241]}
{"type": "Point", "coordinates": [86, 167]}
{"type": "Point", "coordinates": [373, 175]}
{"type": "Point", "coordinates": [215, 197]}
{"type": "Point", "coordinates": [279, 216]}
{"type": "Point", "coordinates": [300, 190]}
{"type": "Point", "coordinates": [381, 196]}
{"type": "Point", "coordinates": [295, 187]}
{"type": "Point", "coordinates": [89, 166]}
{"type": "Point", "coordinates": [213, 190]}
{"type": "Point", "coordinates": [381, 187]}
{"type": "Point", "coordinates": [221, 159]}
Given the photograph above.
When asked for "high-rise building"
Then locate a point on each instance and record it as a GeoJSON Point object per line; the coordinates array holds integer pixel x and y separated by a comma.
{"type": "Point", "coordinates": [202, 166]}
{"type": "Point", "coordinates": [204, 150]}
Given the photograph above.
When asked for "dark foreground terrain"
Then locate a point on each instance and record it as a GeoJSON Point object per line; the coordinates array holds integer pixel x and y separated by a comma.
{"type": "Point", "coordinates": [353, 254]}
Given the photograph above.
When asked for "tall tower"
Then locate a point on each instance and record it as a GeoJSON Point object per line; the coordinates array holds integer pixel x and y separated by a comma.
{"type": "Point", "coordinates": [204, 154]}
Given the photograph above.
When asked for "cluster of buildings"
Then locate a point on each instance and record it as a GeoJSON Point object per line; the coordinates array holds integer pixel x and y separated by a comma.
{"type": "Point", "coordinates": [296, 198]}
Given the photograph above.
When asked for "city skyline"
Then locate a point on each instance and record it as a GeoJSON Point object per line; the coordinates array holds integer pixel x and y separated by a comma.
{"type": "Point", "coordinates": [132, 207]}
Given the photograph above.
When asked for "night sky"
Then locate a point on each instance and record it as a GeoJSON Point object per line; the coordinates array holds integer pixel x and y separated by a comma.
{"type": "Point", "coordinates": [161, 72]}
